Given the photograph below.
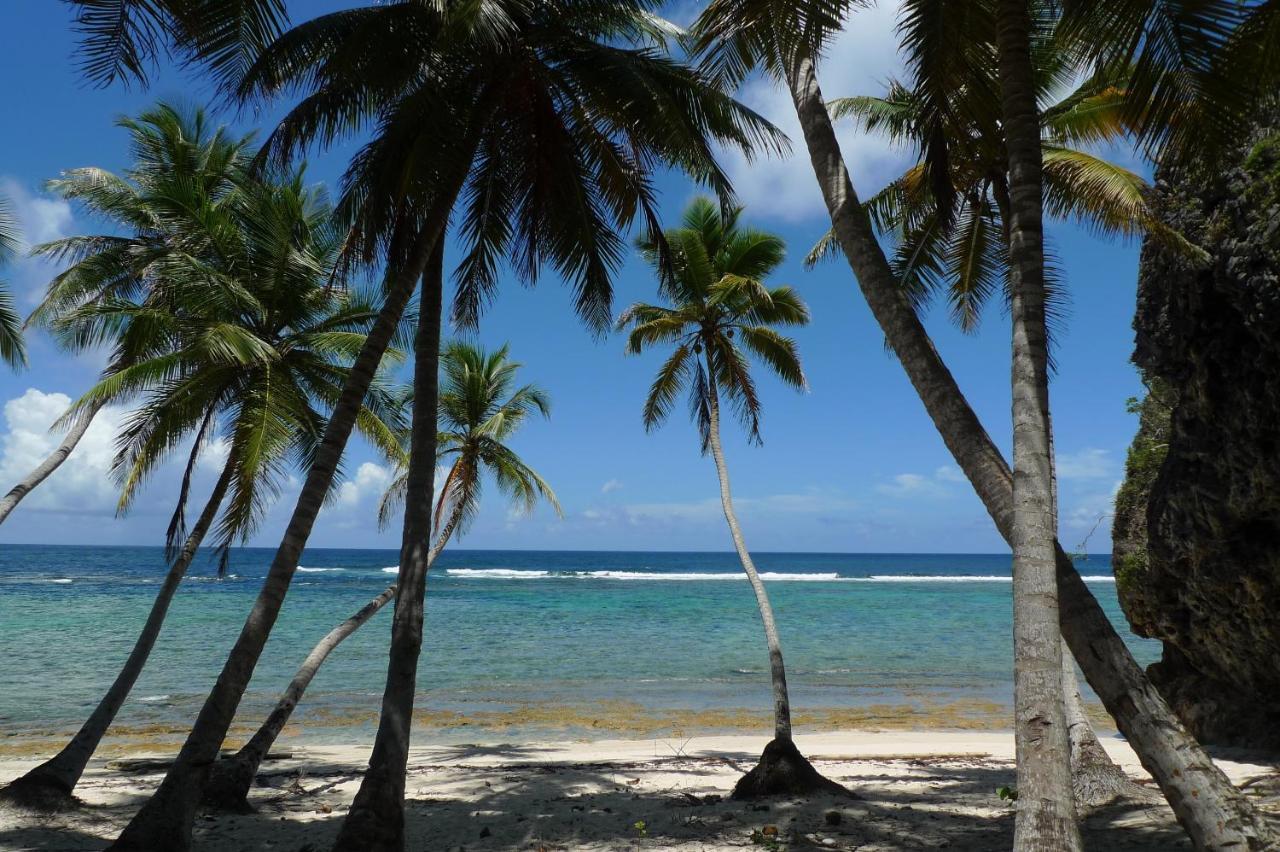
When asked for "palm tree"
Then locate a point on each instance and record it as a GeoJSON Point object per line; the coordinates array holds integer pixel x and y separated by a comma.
{"type": "Point", "coordinates": [1046, 817]}
{"type": "Point", "coordinates": [181, 164]}
{"type": "Point", "coordinates": [962, 253]}
{"type": "Point", "coordinates": [480, 411]}
{"type": "Point", "coordinates": [249, 341]}
{"type": "Point", "coordinates": [736, 36]}
{"type": "Point", "coordinates": [722, 307]}
{"type": "Point", "coordinates": [546, 122]}
{"type": "Point", "coordinates": [12, 350]}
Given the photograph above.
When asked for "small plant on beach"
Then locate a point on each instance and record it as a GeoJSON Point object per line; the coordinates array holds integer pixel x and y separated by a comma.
{"type": "Point", "coordinates": [641, 829]}
{"type": "Point", "coordinates": [713, 271]}
{"type": "Point", "coordinates": [767, 837]}
{"type": "Point", "coordinates": [1007, 793]}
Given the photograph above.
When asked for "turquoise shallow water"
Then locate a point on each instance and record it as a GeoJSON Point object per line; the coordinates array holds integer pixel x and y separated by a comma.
{"type": "Point", "coordinates": [571, 641]}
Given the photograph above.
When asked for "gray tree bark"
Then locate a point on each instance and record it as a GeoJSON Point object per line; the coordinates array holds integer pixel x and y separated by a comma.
{"type": "Point", "coordinates": [1046, 817]}
{"type": "Point", "coordinates": [376, 818]}
{"type": "Point", "coordinates": [41, 472]}
{"type": "Point", "coordinates": [1214, 814]}
{"type": "Point", "coordinates": [56, 778]}
{"type": "Point", "coordinates": [1096, 779]}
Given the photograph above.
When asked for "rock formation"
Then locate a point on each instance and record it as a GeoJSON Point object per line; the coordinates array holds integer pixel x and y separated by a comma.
{"type": "Point", "coordinates": [1197, 525]}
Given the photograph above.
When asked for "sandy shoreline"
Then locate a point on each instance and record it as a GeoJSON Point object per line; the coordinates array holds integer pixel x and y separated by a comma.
{"type": "Point", "coordinates": [917, 790]}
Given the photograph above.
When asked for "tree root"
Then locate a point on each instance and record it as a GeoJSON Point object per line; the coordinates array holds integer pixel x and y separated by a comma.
{"type": "Point", "coordinates": [38, 793]}
{"type": "Point", "coordinates": [784, 771]}
{"type": "Point", "coordinates": [227, 788]}
{"type": "Point", "coordinates": [1097, 784]}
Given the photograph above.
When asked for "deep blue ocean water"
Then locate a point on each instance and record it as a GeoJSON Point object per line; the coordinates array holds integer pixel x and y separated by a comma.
{"type": "Point", "coordinates": [616, 633]}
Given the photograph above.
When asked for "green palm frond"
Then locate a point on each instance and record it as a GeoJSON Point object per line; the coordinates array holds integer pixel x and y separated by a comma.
{"type": "Point", "coordinates": [1095, 113]}
{"type": "Point", "coordinates": [1175, 61]}
{"type": "Point", "coordinates": [664, 391]}
{"type": "Point", "coordinates": [947, 230]}
{"type": "Point", "coordinates": [219, 301]}
{"type": "Point", "coordinates": [975, 262]}
{"type": "Point", "coordinates": [783, 307]}
{"type": "Point", "coordinates": [120, 40]}
{"type": "Point", "coordinates": [558, 115]}
{"type": "Point", "coordinates": [12, 348]}
{"type": "Point", "coordinates": [479, 408]}
{"type": "Point", "coordinates": [778, 352]}
{"type": "Point", "coordinates": [721, 303]}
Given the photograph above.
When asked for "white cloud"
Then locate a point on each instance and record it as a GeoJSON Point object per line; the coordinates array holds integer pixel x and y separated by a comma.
{"type": "Point", "coordinates": [1084, 511]}
{"type": "Point", "coordinates": [83, 483]}
{"type": "Point", "coordinates": [947, 473]}
{"type": "Point", "coordinates": [356, 501]}
{"type": "Point", "coordinates": [41, 218]}
{"type": "Point", "coordinates": [906, 485]}
{"type": "Point", "coordinates": [370, 480]}
{"type": "Point", "coordinates": [816, 503]}
{"type": "Point", "coordinates": [1089, 463]}
{"type": "Point", "coordinates": [858, 62]}
{"type": "Point", "coordinates": [214, 455]}
{"type": "Point", "coordinates": [611, 486]}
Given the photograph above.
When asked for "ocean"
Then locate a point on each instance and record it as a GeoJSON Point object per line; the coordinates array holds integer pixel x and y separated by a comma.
{"type": "Point", "coordinates": [520, 644]}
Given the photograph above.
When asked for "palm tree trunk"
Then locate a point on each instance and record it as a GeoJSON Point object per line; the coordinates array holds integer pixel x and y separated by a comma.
{"type": "Point", "coordinates": [782, 769]}
{"type": "Point", "coordinates": [1046, 817]}
{"type": "Point", "coordinates": [376, 818]}
{"type": "Point", "coordinates": [1214, 814]}
{"type": "Point", "coordinates": [41, 472]}
{"type": "Point", "coordinates": [165, 821]}
{"type": "Point", "coordinates": [53, 781]}
{"type": "Point", "coordinates": [777, 671]}
{"type": "Point", "coordinates": [1096, 779]}
{"type": "Point", "coordinates": [230, 780]}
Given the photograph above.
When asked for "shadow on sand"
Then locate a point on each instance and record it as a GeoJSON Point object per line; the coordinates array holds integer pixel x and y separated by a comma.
{"type": "Point", "coordinates": [506, 802]}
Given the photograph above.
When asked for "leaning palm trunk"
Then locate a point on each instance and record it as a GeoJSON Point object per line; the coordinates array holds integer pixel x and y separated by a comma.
{"type": "Point", "coordinates": [1046, 817]}
{"type": "Point", "coordinates": [376, 818]}
{"type": "Point", "coordinates": [41, 472]}
{"type": "Point", "coordinates": [230, 780]}
{"type": "Point", "coordinates": [165, 821]}
{"type": "Point", "coordinates": [1096, 779]}
{"type": "Point", "coordinates": [782, 768]}
{"type": "Point", "coordinates": [51, 783]}
{"type": "Point", "coordinates": [1214, 814]}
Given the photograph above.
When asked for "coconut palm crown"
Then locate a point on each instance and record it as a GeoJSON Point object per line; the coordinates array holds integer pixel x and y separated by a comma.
{"type": "Point", "coordinates": [722, 312]}
{"type": "Point", "coordinates": [479, 409]}
{"type": "Point", "coordinates": [948, 215]}
{"type": "Point", "coordinates": [220, 310]}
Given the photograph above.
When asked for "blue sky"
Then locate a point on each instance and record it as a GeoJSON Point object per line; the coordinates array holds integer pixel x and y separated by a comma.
{"type": "Point", "coordinates": [854, 465]}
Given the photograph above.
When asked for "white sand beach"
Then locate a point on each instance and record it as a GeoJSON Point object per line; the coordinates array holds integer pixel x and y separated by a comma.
{"type": "Point", "coordinates": [915, 790]}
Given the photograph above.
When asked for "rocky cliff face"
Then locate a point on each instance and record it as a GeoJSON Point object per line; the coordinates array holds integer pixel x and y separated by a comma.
{"type": "Point", "coordinates": [1197, 528]}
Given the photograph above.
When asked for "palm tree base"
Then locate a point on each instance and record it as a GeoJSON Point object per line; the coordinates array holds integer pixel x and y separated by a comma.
{"type": "Point", "coordinates": [38, 792]}
{"type": "Point", "coordinates": [784, 771]}
{"type": "Point", "coordinates": [1098, 782]}
{"type": "Point", "coordinates": [228, 786]}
